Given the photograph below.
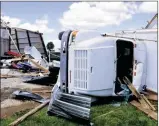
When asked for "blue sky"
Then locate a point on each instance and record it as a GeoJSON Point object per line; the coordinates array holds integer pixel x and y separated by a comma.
{"type": "Point", "coordinates": [52, 17]}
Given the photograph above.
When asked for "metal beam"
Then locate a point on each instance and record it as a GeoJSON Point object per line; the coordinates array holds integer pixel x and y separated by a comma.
{"type": "Point", "coordinates": [45, 51]}
{"type": "Point", "coordinates": [28, 37]}
{"type": "Point", "coordinates": [16, 34]}
{"type": "Point", "coordinates": [9, 39]}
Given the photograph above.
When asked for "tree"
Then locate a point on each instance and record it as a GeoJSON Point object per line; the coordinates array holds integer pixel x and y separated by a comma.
{"type": "Point", "coordinates": [50, 46]}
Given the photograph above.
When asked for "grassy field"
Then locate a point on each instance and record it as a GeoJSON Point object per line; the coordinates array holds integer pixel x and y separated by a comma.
{"type": "Point", "coordinates": [101, 115]}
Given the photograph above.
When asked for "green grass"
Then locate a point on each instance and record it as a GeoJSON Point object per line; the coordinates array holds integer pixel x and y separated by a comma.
{"type": "Point", "coordinates": [102, 115]}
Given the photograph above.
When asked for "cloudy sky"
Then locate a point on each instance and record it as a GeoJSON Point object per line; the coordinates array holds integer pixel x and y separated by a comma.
{"type": "Point", "coordinates": [52, 17]}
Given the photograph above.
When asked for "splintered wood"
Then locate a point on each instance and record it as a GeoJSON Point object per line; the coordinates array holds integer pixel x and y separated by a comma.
{"type": "Point", "coordinates": [143, 104]}
{"type": "Point", "coordinates": [23, 57]}
{"type": "Point", "coordinates": [38, 65]}
{"type": "Point", "coordinates": [149, 112]}
{"type": "Point", "coordinates": [6, 76]}
{"type": "Point", "coordinates": [152, 97]}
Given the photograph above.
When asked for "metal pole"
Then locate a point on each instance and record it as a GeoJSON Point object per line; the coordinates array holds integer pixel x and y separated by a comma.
{"type": "Point", "coordinates": [49, 55]}
{"type": "Point", "coordinates": [11, 36]}
{"type": "Point", "coordinates": [107, 35]}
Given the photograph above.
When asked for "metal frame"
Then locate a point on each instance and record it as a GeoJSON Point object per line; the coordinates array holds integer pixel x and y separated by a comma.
{"type": "Point", "coordinates": [42, 47]}
{"type": "Point", "coordinates": [156, 16]}
{"type": "Point", "coordinates": [45, 51]}
{"type": "Point", "coordinates": [16, 35]}
{"type": "Point", "coordinates": [9, 39]}
{"type": "Point", "coordinates": [28, 37]}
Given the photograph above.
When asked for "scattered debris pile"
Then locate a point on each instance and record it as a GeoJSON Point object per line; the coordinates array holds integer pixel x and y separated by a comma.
{"type": "Point", "coordinates": [24, 51]}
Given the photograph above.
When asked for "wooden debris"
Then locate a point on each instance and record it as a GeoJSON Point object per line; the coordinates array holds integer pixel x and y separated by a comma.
{"type": "Point", "coordinates": [143, 100]}
{"type": "Point", "coordinates": [152, 97]}
{"type": "Point", "coordinates": [19, 120]}
{"type": "Point", "coordinates": [21, 75]}
{"type": "Point", "coordinates": [106, 113]}
{"type": "Point", "coordinates": [19, 59]}
{"type": "Point", "coordinates": [149, 112]}
{"type": "Point", "coordinates": [150, 91]}
{"type": "Point", "coordinates": [145, 93]}
{"type": "Point", "coordinates": [6, 76]}
{"type": "Point", "coordinates": [38, 65]}
{"type": "Point", "coordinates": [136, 93]}
{"type": "Point", "coordinates": [147, 101]}
{"type": "Point", "coordinates": [144, 104]}
{"type": "Point", "coordinates": [35, 63]}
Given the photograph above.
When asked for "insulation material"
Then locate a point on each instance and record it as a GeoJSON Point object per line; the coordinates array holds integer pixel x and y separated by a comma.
{"type": "Point", "coordinates": [36, 55]}
{"type": "Point", "coordinates": [33, 52]}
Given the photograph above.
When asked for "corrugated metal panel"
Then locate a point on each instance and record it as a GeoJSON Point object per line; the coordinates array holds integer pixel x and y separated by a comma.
{"type": "Point", "coordinates": [33, 35]}
{"type": "Point", "coordinates": [37, 39]}
{"type": "Point", "coordinates": [22, 34]}
{"type": "Point", "coordinates": [37, 45]}
{"type": "Point", "coordinates": [12, 31]}
{"type": "Point", "coordinates": [23, 41]}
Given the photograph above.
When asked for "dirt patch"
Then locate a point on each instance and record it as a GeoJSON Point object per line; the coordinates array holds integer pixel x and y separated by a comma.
{"type": "Point", "coordinates": [10, 106]}
{"type": "Point", "coordinates": [6, 93]}
{"type": "Point", "coordinates": [9, 111]}
{"type": "Point", "coordinates": [18, 83]}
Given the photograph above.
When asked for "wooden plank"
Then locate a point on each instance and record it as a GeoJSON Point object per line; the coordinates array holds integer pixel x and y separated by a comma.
{"type": "Point", "coordinates": [153, 97]}
{"type": "Point", "coordinates": [19, 120]}
{"type": "Point", "coordinates": [126, 80]}
{"type": "Point", "coordinates": [38, 65]}
{"type": "Point", "coordinates": [25, 74]}
{"type": "Point", "coordinates": [147, 101]}
{"type": "Point", "coordinates": [19, 59]}
{"type": "Point", "coordinates": [6, 76]}
{"type": "Point", "coordinates": [136, 93]}
{"type": "Point", "coordinates": [151, 91]}
{"type": "Point", "coordinates": [149, 112]}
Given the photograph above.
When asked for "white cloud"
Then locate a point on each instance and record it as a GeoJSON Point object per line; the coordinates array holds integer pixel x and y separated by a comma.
{"type": "Point", "coordinates": [40, 25]}
{"type": "Point", "coordinates": [148, 7]}
{"type": "Point", "coordinates": [92, 15]}
{"type": "Point", "coordinates": [13, 21]}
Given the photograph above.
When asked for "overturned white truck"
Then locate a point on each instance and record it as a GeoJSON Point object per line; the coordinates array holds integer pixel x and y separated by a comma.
{"type": "Point", "coordinates": [91, 64]}
{"type": "Point", "coordinates": [95, 64]}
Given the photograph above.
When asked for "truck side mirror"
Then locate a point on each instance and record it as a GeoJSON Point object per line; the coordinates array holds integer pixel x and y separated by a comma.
{"type": "Point", "coordinates": [60, 35]}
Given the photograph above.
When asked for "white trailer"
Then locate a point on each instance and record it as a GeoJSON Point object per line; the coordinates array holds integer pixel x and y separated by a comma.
{"type": "Point", "coordinates": [150, 47]}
